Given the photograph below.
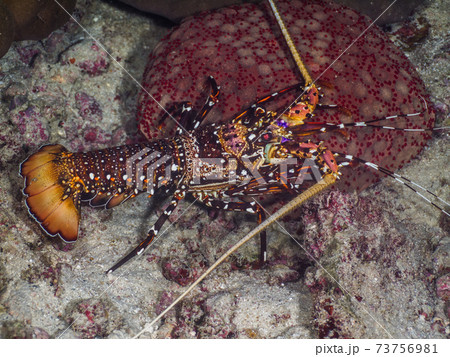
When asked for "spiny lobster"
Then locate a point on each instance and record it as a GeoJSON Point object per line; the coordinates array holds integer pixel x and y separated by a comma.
{"type": "Point", "coordinates": [214, 163]}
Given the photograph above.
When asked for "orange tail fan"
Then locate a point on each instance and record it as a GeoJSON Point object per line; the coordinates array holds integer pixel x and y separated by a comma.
{"type": "Point", "coordinates": [51, 198]}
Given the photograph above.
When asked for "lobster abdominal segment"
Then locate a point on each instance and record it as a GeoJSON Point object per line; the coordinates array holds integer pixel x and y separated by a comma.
{"type": "Point", "coordinates": [111, 176]}
{"type": "Point", "coordinates": [56, 181]}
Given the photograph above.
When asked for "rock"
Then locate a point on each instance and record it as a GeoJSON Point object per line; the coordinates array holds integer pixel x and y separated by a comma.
{"type": "Point", "coordinates": [31, 19]}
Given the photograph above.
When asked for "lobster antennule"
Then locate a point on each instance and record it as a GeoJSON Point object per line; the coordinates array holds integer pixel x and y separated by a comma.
{"type": "Point", "coordinates": [51, 200]}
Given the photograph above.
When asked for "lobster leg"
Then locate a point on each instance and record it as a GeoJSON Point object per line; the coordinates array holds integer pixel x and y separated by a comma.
{"type": "Point", "coordinates": [251, 207]}
{"type": "Point", "coordinates": [152, 233]}
{"type": "Point", "coordinates": [175, 111]}
{"type": "Point", "coordinates": [212, 99]}
{"type": "Point", "coordinates": [330, 106]}
{"type": "Point", "coordinates": [190, 118]}
{"type": "Point", "coordinates": [187, 116]}
{"type": "Point", "coordinates": [253, 188]}
{"type": "Point", "coordinates": [267, 99]}
{"type": "Point", "coordinates": [277, 182]}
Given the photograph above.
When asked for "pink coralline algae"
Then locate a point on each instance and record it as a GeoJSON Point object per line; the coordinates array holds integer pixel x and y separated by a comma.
{"type": "Point", "coordinates": [88, 107]}
{"type": "Point", "coordinates": [92, 318]}
{"type": "Point", "coordinates": [241, 47]}
{"type": "Point", "coordinates": [443, 287]}
{"type": "Point", "coordinates": [182, 272]}
{"type": "Point", "coordinates": [361, 252]}
{"type": "Point", "coordinates": [30, 125]}
{"type": "Point", "coordinates": [27, 53]}
{"type": "Point", "coordinates": [88, 57]}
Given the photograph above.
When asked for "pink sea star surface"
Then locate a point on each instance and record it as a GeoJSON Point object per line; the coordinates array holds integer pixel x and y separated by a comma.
{"type": "Point", "coordinates": [242, 48]}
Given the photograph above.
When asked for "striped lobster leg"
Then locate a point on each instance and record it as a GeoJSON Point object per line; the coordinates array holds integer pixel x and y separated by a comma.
{"type": "Point", "coordinates": [151, 235]}
{"type": "Point", "coordinates": [190, 119]}
{"type": "Point", "coordinates": [212, 99]}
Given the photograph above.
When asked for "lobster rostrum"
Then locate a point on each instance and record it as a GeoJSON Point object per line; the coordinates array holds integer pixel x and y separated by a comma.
{"type": "Point", "coordinates": [258, 152]}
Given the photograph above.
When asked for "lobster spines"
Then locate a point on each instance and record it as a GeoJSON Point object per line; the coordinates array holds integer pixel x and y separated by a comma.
{"type": "Point", "coordinates": [53, 197]}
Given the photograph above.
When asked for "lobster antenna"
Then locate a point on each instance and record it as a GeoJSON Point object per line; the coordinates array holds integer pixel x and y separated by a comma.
{"type": "Point", "coordinates": [326, 182]}
{"type": "Point", "coordinates": [298, 60]}
{"type": "Point", "coordinates": [413, 186]}
{"type": "Point", "coordinates": [370, 123]}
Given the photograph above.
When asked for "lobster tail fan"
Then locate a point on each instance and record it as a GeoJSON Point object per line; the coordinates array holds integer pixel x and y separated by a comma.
{"type": "Point", "coordinates": [51, 199]}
